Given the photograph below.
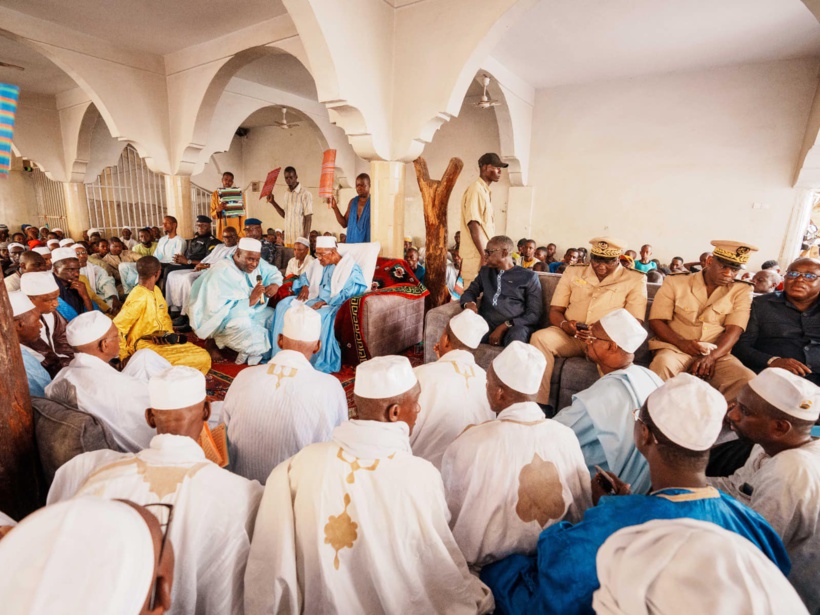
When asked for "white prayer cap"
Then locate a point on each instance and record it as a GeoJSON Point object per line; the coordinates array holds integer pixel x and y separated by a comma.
{"type": "Point", "coordinates": [278, 230]}
{"type": "Point", "coordinates": [42, 250]}
{"type": "Point", "coordinates": [38, 283]}
{"type": "Point", "coordinates": [53, 241]}
{"type": "Point", "coordinates": [56, 229]}
{"type": "Point", "coordinates": [469, 328]}
{"type": "Point", "coordinates": [325, 242]}
{"type": "Point", "coordinates": [126, 228]}
{"type": "Point", "coordinates": [408, 238]}
{"type": "Point", "coordinates": [520, 366]}
{"type": "Point", "coordinates": [648, 568]}
{"type": "Point", "coordinates": [623, 329]}
{"type": "Point", "coordinates": [176, 387]}
{"type": "Point", "coordinates": [60, 254]}
{"type": "Point", "coordinates": [68, 241]}
{"type": "Point", "coordinates": [250, 244]}
{"type": "Point", "coordinates": [302, 324]}
{"type": "Point", "coordinates": [384, 377]}
{"type": "Point", "coordinates": [87, 328]}
{"type": "Point", "coordinates": [20, 303]}
{"type": "Point", "coordinates": [687, 411]}
{"type": "Point", "coordinates": [77, 246]}
{"type": "Point", "coordinates": [91, 231]}
{"type": "Point", "coordinates": [83, 555]}
{"type": "Point", "coordinates": [16, 245]}
{"type": "Point", "coordinates": [303, 241]}
{"type": "Point", "coordinates": [788, 393]}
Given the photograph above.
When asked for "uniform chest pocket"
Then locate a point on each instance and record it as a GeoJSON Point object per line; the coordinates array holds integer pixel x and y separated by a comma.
{"type": "Point", "coordinates": [717, 312]}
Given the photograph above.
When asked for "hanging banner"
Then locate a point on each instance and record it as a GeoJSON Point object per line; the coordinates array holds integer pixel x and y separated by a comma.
{"type": "Point", "coordinates": [270, 181]}
{"type": "Point", "coordinates": [326, 179]}
{"type": "Point", "coordinates": [8, 110]}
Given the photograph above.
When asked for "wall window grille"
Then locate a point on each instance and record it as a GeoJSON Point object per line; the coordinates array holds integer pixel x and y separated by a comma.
{"type": "Point", "coordinates": [51, 209]}
{"type": "Point", "coordinates": [128, 194]}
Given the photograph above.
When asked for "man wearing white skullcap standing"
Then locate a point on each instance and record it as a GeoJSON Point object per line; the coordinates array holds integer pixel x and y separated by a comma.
{"type": "Point", "coordinates": [87, 555]}
{"type": "Point", "coordinates": [229, 304]}
{"type": "Point", "coordinates": [601, 416]}
{"type": "Point", "coordinates": [781, 479]}
{"type": "Point", "coordinates": [453, 389]}
{"type": "Point", "coordinates": [674, 430]}
{"type": "Point", "coordinates": [358, 524]}
{"type": "Point", "coordinates": [213, 511]}
{"type": "Point", "coordinates": [327, 283]}
{"type": "Point", "coordinates": [27, 325]}
{"type": "Point", "coordinates": [91, 384]}
{"type": "Point", "coordinates": [273, 411]}
{"type": "Point", "coordinates": [508, 479]}
{"type": "Point", "coordinates": [42, 289]}
{"type": "Point", "coordinates": [668, 563]}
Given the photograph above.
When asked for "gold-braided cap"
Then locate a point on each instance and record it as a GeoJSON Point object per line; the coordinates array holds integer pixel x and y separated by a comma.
{"type": "Point", "coordinates": [733, 251]}
{"type": "Point", "coordinates": [607, 247]}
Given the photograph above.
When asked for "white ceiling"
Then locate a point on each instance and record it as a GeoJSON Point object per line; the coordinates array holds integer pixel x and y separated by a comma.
{"type": "Point", "coordinates": [41, 75]}
{"type": "Point", "coordinates": [578, 41]}
{"type": "Point", "coordinates": [154, 26]}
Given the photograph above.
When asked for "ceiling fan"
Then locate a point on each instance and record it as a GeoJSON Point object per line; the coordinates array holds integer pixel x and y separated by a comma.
{"type": "Point", "coordinates": [284, 125]}
{"type": "Point", "coordinates": [485, 102]}
{"type": "Point", "coordinates": [14, 66]}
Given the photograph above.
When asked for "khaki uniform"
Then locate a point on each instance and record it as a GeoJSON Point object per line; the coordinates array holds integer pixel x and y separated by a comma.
{"type": "Point", "coordinates": [683, 303]}
{"type": "Point", "coordinates": [587, 300]}
{"type": "Point", "coordinates": [475, 207]}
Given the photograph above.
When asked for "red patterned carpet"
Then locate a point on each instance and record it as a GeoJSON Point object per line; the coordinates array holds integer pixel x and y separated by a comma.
{"type": "Point", "coordinates": [223, 373]}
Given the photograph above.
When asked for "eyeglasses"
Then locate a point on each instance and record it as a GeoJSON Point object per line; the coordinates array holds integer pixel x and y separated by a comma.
{"type": "Point", "coordinates": [488, 252]}
{"type": "Point", "coordinates": [606, 261]}
{"type": "Point", "coordinates": [166, 530]}
{"type": "Point", "coordinates": [809, 277]}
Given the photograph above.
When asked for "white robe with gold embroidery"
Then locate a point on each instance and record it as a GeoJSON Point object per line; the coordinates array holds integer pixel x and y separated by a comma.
{"type": "Point", "coordinates": [453, 396]}
{"type": "Point", "coordinates": [508, 479]}
{"type": "Point", "coordinates": [213, 514]}
{"type": "Point", "coordinates": [273, 411]}
{"type": "Point", "coordinates": [358, 525]}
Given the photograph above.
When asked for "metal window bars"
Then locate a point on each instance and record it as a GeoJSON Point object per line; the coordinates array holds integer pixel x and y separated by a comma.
{"type": "Point", "coordinates": [128, 194]}
{"type": "Point", "coordinates": [51, 208]}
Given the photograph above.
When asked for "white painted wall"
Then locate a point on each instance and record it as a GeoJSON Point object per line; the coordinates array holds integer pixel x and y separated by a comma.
{"type": "Point", "coordinates": [675, 160]}
{"type": "Point", "coordinates": [473, 133]}
{"type": "Point", "coordinates": [252, 157]}
{"type": "Point", "coordinates": [18, 202]}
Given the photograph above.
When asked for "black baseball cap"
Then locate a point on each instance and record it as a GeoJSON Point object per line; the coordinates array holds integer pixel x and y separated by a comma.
{"type": "Point", "coordinates": [492, 159]}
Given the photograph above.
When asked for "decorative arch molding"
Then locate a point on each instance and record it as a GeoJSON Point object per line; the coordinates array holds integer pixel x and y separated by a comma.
{"type": "Point", "coordinates": [241, 99]}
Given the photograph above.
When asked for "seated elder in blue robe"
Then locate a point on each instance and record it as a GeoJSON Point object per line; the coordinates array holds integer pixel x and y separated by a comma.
{"type": "Point", "coordinates": [27, 325]}
{"type": "Point", "coordinates": [601, 416]}
{"type": "Point", "coordinates": [674, 430]}
{"type": "Point", "coordinates": [327, 283]}
{"type": "Point", "coordinates": [229, 303]}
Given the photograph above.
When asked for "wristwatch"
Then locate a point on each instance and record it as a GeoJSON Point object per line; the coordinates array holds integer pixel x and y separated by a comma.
{"type": "Point", "coordinates": [772, 360]}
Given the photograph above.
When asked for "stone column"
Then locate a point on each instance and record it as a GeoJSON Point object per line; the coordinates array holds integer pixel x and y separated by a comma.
{"type": "Point", "coordinates": [76, 205]}
{"type": "Point", "coordinates": [387, 207]}
{"type": "Point", "coordinates": [179, 205]}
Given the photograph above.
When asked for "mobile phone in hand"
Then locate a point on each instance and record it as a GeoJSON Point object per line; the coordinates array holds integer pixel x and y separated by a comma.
{"type": "Point", "coordinates": [606, 483]}
{"type": "Point", "coordinates": [581, 326]}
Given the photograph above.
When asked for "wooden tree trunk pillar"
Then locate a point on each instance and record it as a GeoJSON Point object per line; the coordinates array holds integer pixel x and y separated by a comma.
{"type": "Point", "coordinates": [435, 194]}
{"type": "Point", "coordinates": [19, 484]}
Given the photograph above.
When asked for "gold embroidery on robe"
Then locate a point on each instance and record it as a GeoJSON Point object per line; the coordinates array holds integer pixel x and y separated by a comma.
{"type": "Point", "coordinates": [540, 492]}
{"type": "Point", "coordinates": [468, 372]}
{"type": "Point", "coordinates": [161, 480]}
{"type": "Point", "coordinates": [281, 371]}
{"type": "Point", "coordinates": [340, 532]}
{"type": "Point", "coordinates": [355, 466]}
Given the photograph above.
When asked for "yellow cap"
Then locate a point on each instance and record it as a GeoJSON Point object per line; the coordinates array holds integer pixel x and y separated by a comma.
{"type": "Point", "coordinates": [607, 247]}
{"type": "Point", "coordinates": [733, 251]}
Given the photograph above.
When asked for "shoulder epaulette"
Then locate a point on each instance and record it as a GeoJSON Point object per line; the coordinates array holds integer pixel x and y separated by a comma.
{"type": "Point", "coordinates": [680, 273]}
{"type": "Point", "coordinates": [643, 273]}
{"type": "Point", "coordinates": [578, 265]}
{"type": "Point", "coordinates": [744, 282]}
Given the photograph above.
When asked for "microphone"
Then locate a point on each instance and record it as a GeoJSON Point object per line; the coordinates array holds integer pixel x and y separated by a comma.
{"type": "Point", "coordinates": [258, 279]}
